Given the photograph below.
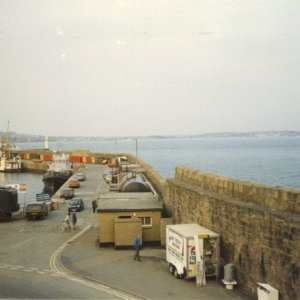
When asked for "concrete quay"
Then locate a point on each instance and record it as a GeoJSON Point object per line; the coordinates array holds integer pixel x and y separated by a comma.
{"type": "Point", "coordinates": [148, 279]}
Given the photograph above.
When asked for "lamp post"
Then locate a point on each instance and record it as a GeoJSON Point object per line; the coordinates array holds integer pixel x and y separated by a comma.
{"type": "Point", "coordinates": [136, 147]}
{"type": "Point", "coordinates": [136, 144]}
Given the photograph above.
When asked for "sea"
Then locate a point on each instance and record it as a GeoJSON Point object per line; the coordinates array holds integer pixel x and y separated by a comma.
{"type": "Point", "coordinates": [272, 161]}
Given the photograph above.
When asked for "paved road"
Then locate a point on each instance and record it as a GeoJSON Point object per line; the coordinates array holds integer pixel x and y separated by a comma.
{"type": "Point", "coordinates": [27, 249]}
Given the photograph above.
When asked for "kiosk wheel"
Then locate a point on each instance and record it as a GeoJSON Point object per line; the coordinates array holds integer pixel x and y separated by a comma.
{"type": "Point", "coordinates": [175, 272]}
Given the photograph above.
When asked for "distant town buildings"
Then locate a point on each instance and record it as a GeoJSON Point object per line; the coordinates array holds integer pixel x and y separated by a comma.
{"type": "Point", "coordinates": [27, 138]}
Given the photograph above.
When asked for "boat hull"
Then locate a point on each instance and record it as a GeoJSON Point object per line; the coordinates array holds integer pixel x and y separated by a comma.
{"type": "Point", "coordinates": [10, 167]}
{"type": "Point", "coordinates": [11, 170]}
{"type": "Point", "coordinates": [54, 180]}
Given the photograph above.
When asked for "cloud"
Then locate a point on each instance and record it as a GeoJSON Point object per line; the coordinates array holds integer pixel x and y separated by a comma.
{"type": "Point", "coordinates": [120, 43]}
{"type": "Point", "coordinates": [59, 31]}
{"type": "Point", "coordinates": [63, 56]}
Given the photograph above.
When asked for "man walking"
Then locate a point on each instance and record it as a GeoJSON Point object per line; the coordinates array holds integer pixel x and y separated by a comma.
{"type": "Point", "coordinates": [74, 219]}
{"type": "Point", "coordinates": [137, 244]}
{"type": "Point", "coordinates": [94, 204]}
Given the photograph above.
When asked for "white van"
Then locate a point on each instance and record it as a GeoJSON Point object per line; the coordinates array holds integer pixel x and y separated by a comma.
{"type": "Point", "coordinates": [181, 250]}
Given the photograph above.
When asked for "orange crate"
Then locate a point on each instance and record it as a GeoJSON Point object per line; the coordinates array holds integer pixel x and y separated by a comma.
{"type": "Point", "coordinates": [87, 159]}
{"type": "Point", "coordinates": [75, 159]}
{"type": "Point", "coordinates": [46, 157]}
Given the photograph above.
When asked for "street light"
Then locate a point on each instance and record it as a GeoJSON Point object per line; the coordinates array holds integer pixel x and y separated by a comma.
{"type": "Point", "coordinates": [136, 144]}
{"type": "Point", "coordinates": [136, 147]}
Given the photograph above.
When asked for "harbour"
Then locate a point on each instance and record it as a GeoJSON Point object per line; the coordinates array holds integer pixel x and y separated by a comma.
{"type": "Point", "coordinates": [105, 266]}
{"type": "Point", "coordinates": [154, 151]}
{"type": "Point", "coordinates": [227, 204]}
{"type": "Point", "coordinates": [152, 204]}
{"type": "Point", "coordinates": [268, 160]}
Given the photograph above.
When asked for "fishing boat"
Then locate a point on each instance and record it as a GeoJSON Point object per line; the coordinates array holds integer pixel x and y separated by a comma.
{"type": "Point", "coordinates": [9, 161]}
{"type": "Point", "coordinates": [59, 171]}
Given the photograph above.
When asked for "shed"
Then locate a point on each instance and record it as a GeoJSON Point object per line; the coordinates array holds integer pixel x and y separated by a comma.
{"type": "Point", "coordinates": [122, 209]}
{"type": "Point", "coordinates": [126, 229]}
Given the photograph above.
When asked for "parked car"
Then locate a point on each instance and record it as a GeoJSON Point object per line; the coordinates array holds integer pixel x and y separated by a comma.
{"type": "Point", "coordinates": [36, 210]}
{"type": "Point", "coordinates": [74, 184]}
{"type": "Point", "coordinates": [76, 204]}
{"type": "Point", "coordinates": [66, 193]}
{"type": "Point", "coordinates": [80, 176]}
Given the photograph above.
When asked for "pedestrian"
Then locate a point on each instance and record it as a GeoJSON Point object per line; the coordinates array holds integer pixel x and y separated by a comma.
{"type": "Point", "coordinates": [74, 219]}
{"type": "Point", "coordinates": [94, 204]}
{"type": "Point", "coordinates": [137, 244]}
{"type": "Point", "coordinates": [67, 222]}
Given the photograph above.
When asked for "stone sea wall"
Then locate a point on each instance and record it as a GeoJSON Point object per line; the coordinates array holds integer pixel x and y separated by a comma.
{"type": "Point", "coordinates": [35, 167]}
{"type": "Point", "coordinates": [267, 196]}
{"type": "Point", "coordinates": [259, 225]}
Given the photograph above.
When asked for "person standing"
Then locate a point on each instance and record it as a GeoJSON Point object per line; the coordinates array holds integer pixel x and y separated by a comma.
{"type": "Point", "coordinates": [67, 222]}
{"type": "Point", "coordinates": [94, 204]}
{"type": "Point", "coordinates": [74, 219]}
{"type": "Point", "coordinates": [137, 244]}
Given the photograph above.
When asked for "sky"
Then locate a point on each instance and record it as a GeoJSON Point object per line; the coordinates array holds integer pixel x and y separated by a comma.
{"type": "Point", "coordinates": [138, 68]}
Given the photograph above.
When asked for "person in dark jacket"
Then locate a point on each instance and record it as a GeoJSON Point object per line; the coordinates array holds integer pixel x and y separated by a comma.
{"type": "Point", "coordinates": [137, 244]}
{"type": "Point", "coordinates": [74, 219]}
{"type": "Point", "coordinates": [94, 204]}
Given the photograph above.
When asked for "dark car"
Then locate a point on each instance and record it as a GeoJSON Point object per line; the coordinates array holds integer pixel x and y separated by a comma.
{"type": "Point", "coordinates": [66, 193]}
{"type": "Point", "coordinates": [36, 210]}
{"type": "Point", "coordinates": [76, 204]}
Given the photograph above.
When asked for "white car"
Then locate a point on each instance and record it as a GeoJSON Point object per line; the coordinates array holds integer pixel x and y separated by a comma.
{"type": "Point", "coordinates": [80, 176]}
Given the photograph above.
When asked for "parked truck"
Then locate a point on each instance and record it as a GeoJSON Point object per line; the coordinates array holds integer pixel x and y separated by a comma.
{"type": "Point", "coordinates": [189, 246]}
{"type": "Point", "coordinates": [8, 202]}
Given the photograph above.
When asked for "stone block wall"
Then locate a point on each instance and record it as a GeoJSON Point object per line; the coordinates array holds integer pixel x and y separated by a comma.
{"type": "Point", "coordinates": [268, 196]}
{"type": "Point", "coordinates": [34, 167]}
{"type": "Point", "coordinates": [259, 226]}
{"type": "Point", "coordinates": [163, 224]}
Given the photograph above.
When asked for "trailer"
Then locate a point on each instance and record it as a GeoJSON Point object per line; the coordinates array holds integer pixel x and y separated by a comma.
{"type": "Point", "coordinates": [192, 251]}
{"type": "Point", "coordinates": [8, 202]}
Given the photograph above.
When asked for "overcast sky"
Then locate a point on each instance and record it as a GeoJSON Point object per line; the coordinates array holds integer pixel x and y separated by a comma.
{"type": "Point", "coordinates": [131, 68]}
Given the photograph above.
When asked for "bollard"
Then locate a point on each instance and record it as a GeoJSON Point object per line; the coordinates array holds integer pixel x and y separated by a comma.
{"type": "Point", "coordinates": [229, 280]}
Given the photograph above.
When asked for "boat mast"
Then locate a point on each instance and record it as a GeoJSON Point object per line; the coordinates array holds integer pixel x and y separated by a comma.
{"type": "Point", "coordinates": [7, 132]}
{"type": "Point", "coordinates": [46, 143]}
{"type": "Point", "coordinates": [8, 140]}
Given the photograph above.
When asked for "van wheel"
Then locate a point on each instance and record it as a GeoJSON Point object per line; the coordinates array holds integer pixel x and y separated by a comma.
{"type": "Point", "coordinates": [184, 275]}
{"type": "Point", "coordinates": [171, 268]}
{"type": "Point", "coordinates": [176, 273]}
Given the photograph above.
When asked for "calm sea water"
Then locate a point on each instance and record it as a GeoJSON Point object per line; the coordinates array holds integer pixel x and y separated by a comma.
{"type": "Point", "coordinates": [33, 183]}
{"type": "Point", "coordinates": [272, 161]}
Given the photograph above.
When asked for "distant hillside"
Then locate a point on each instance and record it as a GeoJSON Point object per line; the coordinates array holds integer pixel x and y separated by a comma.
{"type": "Point", "coordinates": [21, 138]}
{"type": "Point", "coordinates": [285, 133]}
{"type": "Point", "coordinates": [25, 138]}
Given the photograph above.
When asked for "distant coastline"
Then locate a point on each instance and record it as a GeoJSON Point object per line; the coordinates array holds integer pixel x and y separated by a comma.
{"type": "Point", "coordinates": [27, 138]}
